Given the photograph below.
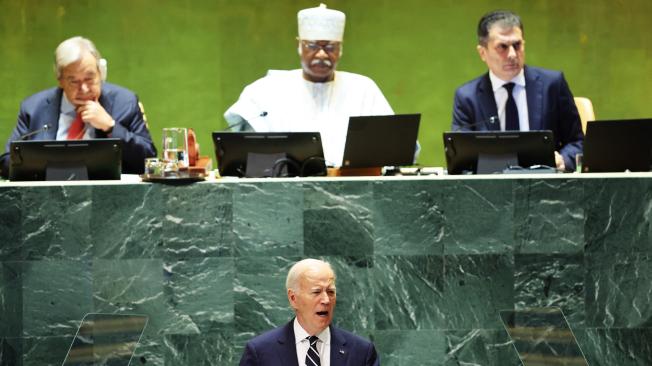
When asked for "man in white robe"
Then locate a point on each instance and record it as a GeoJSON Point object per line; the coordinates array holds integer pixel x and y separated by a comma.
{"type": "Point", "coordinates": [315, 97]}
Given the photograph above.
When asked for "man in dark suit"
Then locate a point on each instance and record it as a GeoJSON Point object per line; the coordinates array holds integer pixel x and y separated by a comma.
{"type": "Point", "coordinates": [84, 106]}
{"type": "Point", "coordinates": [512, 96]}
{"type": "Point", "coordinates": [310, 339]}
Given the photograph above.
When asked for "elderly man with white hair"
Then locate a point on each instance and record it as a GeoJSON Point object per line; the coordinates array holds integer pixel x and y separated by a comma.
{"type": "Point", "coordinates": [310, 339]}
{"type": "Point", "coordinates": [315, 98]}
{"type": "Point", "coordinates": [84, 106]}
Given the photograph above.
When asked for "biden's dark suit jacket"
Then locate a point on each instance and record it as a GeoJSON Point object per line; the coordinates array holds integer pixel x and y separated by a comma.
{"type": "Point", "coordinates": [277, 348]}
{"type": "Point", "coordinates": [550, 107]}
{"type": "Point", "coordinates": [44, 108]}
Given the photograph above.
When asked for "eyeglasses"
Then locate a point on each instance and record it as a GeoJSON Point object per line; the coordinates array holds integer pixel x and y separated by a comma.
{"type": "Point", "coordinates": [329, 47]}
{"type": "Point", "coordinates": [76, 83]}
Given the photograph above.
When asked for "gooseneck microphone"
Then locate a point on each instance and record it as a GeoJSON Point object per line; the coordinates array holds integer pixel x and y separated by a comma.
{"type": "Point", "coordinates": [26, 136]}
{"type": "Point", "coordinates": [244, 122]}
{"type": "Point", "coordinates": [486, 122]}
{"type": "Point", "coordinates": [35, 132]}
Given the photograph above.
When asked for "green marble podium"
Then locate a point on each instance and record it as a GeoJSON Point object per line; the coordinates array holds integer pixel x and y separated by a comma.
{"type": "Point", "coordinates": [424, 265]}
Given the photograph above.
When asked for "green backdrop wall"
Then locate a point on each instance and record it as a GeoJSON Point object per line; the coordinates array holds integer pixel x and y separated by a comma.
{"type": "Point", "coordinates": [189, 59]}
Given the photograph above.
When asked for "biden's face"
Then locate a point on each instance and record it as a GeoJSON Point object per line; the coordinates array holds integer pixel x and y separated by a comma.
{"type": "Point", "coordinates": [314, 299]}
{"type": "Point", "coordinates": [504, 52]}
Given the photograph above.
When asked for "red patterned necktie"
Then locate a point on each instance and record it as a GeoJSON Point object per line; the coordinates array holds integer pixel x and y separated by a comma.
{"type": "Point", "coordinates": [76, 130]}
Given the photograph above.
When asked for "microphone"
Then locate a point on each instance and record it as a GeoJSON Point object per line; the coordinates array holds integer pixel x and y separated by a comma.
{"type": "Point", "coordinates": [486, 122]}
{"type": "Point", "coordinates": [25, 136]}
{"type": "Point", "coordinates": [32, 133]}
{"type": "Point", "coordinates": [244, 122]}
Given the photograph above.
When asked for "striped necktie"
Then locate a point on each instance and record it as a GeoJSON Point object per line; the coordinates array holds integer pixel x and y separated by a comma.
{"type": "Point", "coordinates": [312, 357]}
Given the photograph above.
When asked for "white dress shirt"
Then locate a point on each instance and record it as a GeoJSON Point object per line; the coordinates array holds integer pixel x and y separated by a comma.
{"type": "Point", "coordinates": [500, 94]}
{"type": "Point", "coordinates": [283, 101]}
{"type": "Point", "coordinates": [67, 114]}
{"type": "Point", "coordinates": [323, 344]}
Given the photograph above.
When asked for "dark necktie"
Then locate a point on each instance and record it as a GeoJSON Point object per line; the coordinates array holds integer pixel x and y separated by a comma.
{"type": "Point", "coordinates": [312, 357]}
{"type": "Point", "coordinates": [511, 112]}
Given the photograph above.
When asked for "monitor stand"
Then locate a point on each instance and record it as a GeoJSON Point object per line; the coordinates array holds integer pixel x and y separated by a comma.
{"type": "Point", "coordinates": [495, 163]}
{"type": "Point", "coordinates": [66, 171]}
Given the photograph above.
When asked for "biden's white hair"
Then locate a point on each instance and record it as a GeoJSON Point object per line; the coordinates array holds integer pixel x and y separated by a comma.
{"type": "Point", "coordinates": [72, 50]}
{"type": "Point", "coordinates": [301, 267]}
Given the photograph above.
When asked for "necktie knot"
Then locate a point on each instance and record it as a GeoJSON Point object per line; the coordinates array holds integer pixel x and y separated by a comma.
{"type": "Point", "coordinates": [509, 87]}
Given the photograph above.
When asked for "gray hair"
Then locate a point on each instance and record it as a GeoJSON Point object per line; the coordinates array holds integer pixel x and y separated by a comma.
{"type": "Point", "coordinates": [72, 50]}
{"type": "Point", "coordinates": [299, 268]}
{"type": "Point", "coordinates": [504, 18]}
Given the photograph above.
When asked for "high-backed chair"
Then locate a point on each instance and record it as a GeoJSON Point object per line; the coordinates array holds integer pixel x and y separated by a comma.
{"type": "Point", "coordinates": [585, 108]}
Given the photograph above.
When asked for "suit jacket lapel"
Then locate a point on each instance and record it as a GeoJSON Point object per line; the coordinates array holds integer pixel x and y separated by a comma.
{"type": "Point", "coordinates": [339, 351]}
{"type": "Point", "coordinates": [534, 93]}
{"type": "Point", "coordinates": [287, 346]}
{"type": "Point", "coordinates": [487, 104]}
{"type": "Point", "coordinates": [52, 112]}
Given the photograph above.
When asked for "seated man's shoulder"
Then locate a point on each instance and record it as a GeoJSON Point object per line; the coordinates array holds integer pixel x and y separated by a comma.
{"type": "Point", "coordinates": [117, 91]}
{"type": "Point", "coordinates": [40, 97]}
{"type": "Point", "coordinates": [353, 77]}
{"type": "Point", "coordinates": [546, 73]}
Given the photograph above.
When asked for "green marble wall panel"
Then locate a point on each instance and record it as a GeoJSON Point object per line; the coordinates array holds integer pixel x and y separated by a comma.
{"type": "Point", "coordinates": [616, 346]}
{"type": "Point", "coordinates": [11, 216]}
{"type": "Point", "coordinates": [11, 300]}
{"type": "Point", "coordinates": [619, 290]}
{"type": "Point", "coordinates": [11, 351]}
{"type": "Point", "coordinates": [259, 294]}
{"type": "Point", "coordinates": [411, 347]}
{"type": "Point", "coordinates": [268, 219]}
{"type": "Point", "coordinates": [423, 265]}
{"type": "Point", "coordinates": [56, 296]}
{"type": "Point", "coordinates": [479, 216]}
{"type": "Point", "coordinates": [337, 219]}
{"type": "Point", "coordinates": [56, 223]}
{"type": "Point", "coordinates": [356, 293]}
{"type": "Point", "coordinates": [407, 218]}
{"type": "Point", "coordinates": [476, 288]}
{"type": "Point", "coordinates": [45, 351]}
{"type": "Point", "coordinates": [551, 280]}
{"type": "Point", "coordinates": [549, 216]}
{"type": "Point", "coordinates": [129, 221]}
{"type": "Point", "coordinates": [618, 215]}
{"type": "Point", "coordinates": [479, 347]}
{"type": "Point", "coordinates": [199, 292]}
{"type": "Point", "coordinates": [410, 292]}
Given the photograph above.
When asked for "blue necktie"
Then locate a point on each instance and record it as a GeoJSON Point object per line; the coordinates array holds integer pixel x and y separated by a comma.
{"type": "Point", "coordinates": [511, 112]}
{"type": "Point", "coordinates": [312, 357]}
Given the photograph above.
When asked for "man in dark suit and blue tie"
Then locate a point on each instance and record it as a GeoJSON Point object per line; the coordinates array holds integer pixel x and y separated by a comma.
{"type": "Point", "coordinates": [310, 339]}
{"type": "Point", "coordinates": [512, 96]}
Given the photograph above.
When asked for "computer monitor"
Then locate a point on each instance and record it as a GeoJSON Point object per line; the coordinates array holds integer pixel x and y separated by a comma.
{"type": "Point", "coordinates": [269, 154]}
{"type": "Point", "coordinates": [617, 146]}
{"type": "Point", "coordinates": [377, 141]}
{"type": "Point", "coordinates": [485, 152]}
{"type": "Point", "coordinates": [96, 159]}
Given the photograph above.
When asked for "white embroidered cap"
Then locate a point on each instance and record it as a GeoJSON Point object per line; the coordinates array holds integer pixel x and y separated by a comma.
{"type": "Point", "coordinates": [321, 24]}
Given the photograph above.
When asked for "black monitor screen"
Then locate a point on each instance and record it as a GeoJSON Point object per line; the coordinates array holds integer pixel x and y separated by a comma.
{"type": "Point", "coordinates": [269, 154]}
{"type": "Point", "coordinates": [484, 152]}
{"type": "Point", "coordinates": [96, 159]}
